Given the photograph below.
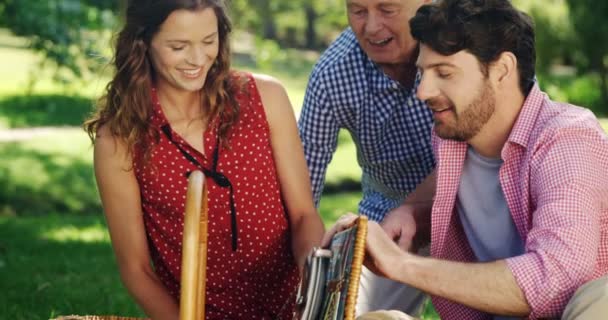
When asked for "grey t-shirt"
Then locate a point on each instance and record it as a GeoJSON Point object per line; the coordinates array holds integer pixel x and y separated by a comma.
{"type": "Point", "coordinates": [484, 213]}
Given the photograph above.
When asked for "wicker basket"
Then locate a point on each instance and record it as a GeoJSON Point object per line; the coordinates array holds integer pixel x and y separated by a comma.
{"type": "Point", "coordinates": [194, 256]}
{"type": "Point", "coordinates": [97, 318]}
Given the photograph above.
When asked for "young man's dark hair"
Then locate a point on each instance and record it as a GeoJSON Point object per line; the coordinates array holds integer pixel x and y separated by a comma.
{"type": "Point", "coordinates": [485, 28]}
{"type": "Point", "coordinates": [518, 219]}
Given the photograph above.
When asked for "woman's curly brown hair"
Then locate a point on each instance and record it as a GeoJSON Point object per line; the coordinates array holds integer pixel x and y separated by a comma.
{"type": "Point", "coordinates": [126, 106]}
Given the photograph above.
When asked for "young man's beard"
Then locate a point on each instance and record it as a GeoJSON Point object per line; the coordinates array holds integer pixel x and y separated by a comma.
{"type": "Point", "coordinates": [467, 124]}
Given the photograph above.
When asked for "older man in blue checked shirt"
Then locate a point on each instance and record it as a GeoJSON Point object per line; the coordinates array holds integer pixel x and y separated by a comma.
{"type": "Point", "coordinates": [366, 82]}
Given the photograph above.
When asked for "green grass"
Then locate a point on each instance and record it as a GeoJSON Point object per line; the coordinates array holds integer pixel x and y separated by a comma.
{"type": "Point", "coordinates": [604, 123]}
{"type": "Point", "coordinates": [19, 63]}
{"type": "Point", "coordinates": [21, 111]}
{"type": "Point", "coordinates": [25, 72]}
{"type": "Point", "coordinates": [292, 71]}
{"type": "Point", "coordinates": [58, 265]}
{"type": "Point", "coordinates": [334, 205]}
{"type": "Point", "coordinates": [53, 172]}
{"type": "Point", "coordinates": [49, 173]}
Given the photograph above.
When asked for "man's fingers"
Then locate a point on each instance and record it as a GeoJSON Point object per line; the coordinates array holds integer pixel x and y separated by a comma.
{"type": "Point", "coordinates": [344, 222]}
{"type": "Point", "coordinates": [404, 243]}
{"type": "Point", "coordinates": [348, 217]}
{"type": "Point", "coordinates": [327, 238]}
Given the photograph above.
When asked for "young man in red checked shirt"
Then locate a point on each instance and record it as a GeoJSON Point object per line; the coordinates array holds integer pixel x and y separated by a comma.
{"type": "Point", "coordinates": [519, 223]}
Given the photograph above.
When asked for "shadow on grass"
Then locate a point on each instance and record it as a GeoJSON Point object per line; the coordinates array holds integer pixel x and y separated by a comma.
{"type": "Point", "coordinates": [341, 186]}
{"type": "Point", "coordinates": [44, 110]}
{"type": "Point", "coordinates": [59, 265]}
{"type": "Point", "coordinates": [34, 182]}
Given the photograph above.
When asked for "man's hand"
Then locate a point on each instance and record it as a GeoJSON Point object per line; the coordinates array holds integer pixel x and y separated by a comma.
{"type": "Point", "coordinates": [382, 256]}
{"type": "Point", "coordinates": [409, 225]}
{"type": "Point", "coordinates": [343, 223]}
{"type": "Point", "coordinates": [400, 226]}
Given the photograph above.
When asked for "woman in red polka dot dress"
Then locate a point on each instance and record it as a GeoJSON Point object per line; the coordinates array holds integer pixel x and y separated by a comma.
{"type": "Point", "coordinates": [172, 107]}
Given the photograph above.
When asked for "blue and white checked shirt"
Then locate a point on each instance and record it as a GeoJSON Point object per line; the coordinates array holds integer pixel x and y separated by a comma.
{"type": "Point", "coordinates": [389, 125]}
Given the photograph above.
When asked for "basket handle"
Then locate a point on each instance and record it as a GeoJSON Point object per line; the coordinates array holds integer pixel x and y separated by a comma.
{"type": "Point", "coordinates": [194, 250]}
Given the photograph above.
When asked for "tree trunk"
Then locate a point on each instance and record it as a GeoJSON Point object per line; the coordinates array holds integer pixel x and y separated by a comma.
{"type": "Point", "coordinates": [311, 34]}
{"type": "Point", "coordinates": [269, 28]}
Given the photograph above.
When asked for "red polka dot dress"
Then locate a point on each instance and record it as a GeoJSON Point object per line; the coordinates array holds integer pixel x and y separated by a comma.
{"type": "Point", "coordinates": [259, 279]}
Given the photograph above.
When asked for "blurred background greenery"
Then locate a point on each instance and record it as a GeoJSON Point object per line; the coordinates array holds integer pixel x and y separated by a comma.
{"type": "Point", "coordinates": [55, 254]}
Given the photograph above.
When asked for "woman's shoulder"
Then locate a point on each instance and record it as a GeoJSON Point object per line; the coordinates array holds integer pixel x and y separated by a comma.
{"type": "Point", "coordinates": [110, 148]}
{"type": "Point", "coordinates": [262, 95]}
{"type": "Point", "coordinates": [104, 136]}
{"type": "Point", "coordinates": [266, 82]}
{"type": "Point", "coordinates": [106, 140]}
{"type": "Point", "coordinates": [246, 81]}
{"type": "Point", "coordinates": [270, 89]}
{"type": "Point", "coordinates": [273, 97]}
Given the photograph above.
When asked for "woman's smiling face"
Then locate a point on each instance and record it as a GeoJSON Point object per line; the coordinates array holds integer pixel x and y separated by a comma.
{"type": "Point", "coordinates": [184, 49]}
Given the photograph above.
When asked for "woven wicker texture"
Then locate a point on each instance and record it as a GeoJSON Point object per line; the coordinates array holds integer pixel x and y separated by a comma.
{"type": "Point", "coordinates": [97, 318]}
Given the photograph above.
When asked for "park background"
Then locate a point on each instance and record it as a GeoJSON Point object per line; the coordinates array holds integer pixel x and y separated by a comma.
{"type": "Point", "coordinates": [55, 253]}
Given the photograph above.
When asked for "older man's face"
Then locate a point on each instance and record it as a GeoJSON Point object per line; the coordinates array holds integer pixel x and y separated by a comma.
{"type": "Point", "coordinates": [382, 28]}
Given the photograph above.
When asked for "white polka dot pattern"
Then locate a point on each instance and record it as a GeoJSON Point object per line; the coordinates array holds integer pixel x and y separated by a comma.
{"type": "Point", "coordinates": [260, 277]}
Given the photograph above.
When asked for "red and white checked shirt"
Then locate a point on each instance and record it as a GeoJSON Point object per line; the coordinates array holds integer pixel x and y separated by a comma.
{"type": "Point", "coordinates": [555, 181]}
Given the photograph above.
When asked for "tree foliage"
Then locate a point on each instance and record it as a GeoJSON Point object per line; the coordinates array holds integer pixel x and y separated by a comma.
{"type": "Point", "coordinates": [75, 34]}
{"type": "Point", "coordinates": [71, 33]}
{"type": "Point", "coordinates": [309, 24]}
{"type": "Point", "coordinates": [553, 31]}
{"type": "Point", "coordinates": [589, 20]}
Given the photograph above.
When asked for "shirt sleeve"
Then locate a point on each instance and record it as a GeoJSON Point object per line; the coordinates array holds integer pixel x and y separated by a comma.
{"type": "Point", "coordinates": [319, 133]}
{"type": "Point", "coordinates": [568, 189]}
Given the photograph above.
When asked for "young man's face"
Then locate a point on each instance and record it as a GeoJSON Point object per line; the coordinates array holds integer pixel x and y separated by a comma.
{"type": "Point", "coordinates": [382, 28]}
{"type": "Point", "coordinates": [457, 91]}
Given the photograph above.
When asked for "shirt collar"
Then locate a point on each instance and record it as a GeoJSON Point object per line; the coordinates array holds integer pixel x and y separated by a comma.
{"type": "Point", "coordinates": [382, 83]}
{"type": "Point", "coordinates": [520, 134]}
